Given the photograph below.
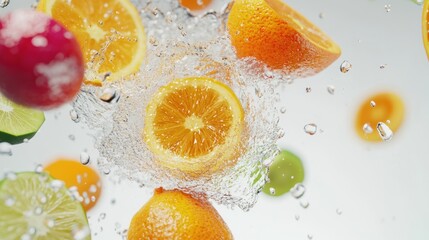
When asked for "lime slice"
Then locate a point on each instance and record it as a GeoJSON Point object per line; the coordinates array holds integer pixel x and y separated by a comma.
{"type": "Point", "coordinates": [35, 206]}
{"type": "Point", "coordinates": [17, 122]}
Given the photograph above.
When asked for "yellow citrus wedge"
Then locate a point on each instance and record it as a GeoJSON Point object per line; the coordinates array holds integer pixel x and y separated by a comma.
{"type": "Point", "coordinates": [385, 107]}
{"type": "Point", "coordinates": [194, 125]}
{"type": "Point", "coordinates": [110, 33]}
{"type": "Point", "coordinates": [277, 35]}
{"type": "Point", "coordinates": [425, 26]}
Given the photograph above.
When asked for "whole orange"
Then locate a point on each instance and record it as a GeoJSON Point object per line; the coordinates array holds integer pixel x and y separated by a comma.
{"type": "Point", "coordinates": [74, 174]}
{"type": "Point", "coordinates": [173, 214]}
{"type": "Point", "coordinates": [277, 35]}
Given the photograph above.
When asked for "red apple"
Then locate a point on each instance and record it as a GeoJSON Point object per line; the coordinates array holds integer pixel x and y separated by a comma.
{"type": "Point", "coordinates": [41, 62]}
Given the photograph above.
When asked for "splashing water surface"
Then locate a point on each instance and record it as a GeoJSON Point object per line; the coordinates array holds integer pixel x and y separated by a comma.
{"type": "Point", "coordinates": [179, 46]}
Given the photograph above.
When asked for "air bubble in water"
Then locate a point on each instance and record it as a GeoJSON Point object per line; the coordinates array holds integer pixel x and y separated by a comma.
{"type": "Point", "coordinates": [339, 211]}
{"type": "Point", "coordinates": [108, 95]}
{"type": "Point", "coordinates": [10, 201]}
{"type": "Point", "coordinates": [106, 171]}
{"type": "Point", "coordinates": [5, 149]}
{"type": "Point", "coordinates": [84, 158]}
{"type": "Point", "coordinates": [387, 7]}
{"type": "Point", "coordinates": [310, 128]}
{"type": "Point", "coordinates": [4, 3]}
{"type": "Point", "coordinates": [38, 169]}
{"type": "Point", "coordinates": [383, 66]}
{"type": "Point", "coordinates": [384, 131]}
{"type": "Point", "coordinates": [308, 89]}
{"type": "Point", "coordinates": [38, 211]}
{"type": "Point", "coordinates": [345, 66]}
{"type": "Point", "coordinates": [309, 236]}
{"type": "Point", "coordinates": [298, 190]}
{"type": "Point", "coordinates": [297, 217]}
{"type": "Point", "coordinates": [50, 223]}
{"type": "Point", "coordinates": [372, 104]}
{"type": "Point", "coordinates": [56, 185]}
{"type": "Point", "coordinates": [74, 116]}
{"type": "Point", "coordinates": [304, 204]}
{"type": "Point", "coordinates": [282, 110]}
{"type": "Point", "coordinates": [272, 191]}
{"type": "Point", "coordinates": [72, 137]}
{"type": "Point", "coordinates": [331, 89]}
{"type": "Point", "coordinates": [367, 128]}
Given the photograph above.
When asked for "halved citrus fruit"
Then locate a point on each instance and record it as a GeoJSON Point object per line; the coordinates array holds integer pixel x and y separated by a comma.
{"type": "Point", "coordinates": [110, 33]}
{"type": "Point", "coordinates": [194, 125]}
{"type": "Point", "coordinates": [35, 206]}
{"type": "Point", "coordinates": [277, 35]}
{"type": "Point", "coordinates": [425, 26]}
{"type": "Point", "coordinates": [85, 179]}
{"type": "Point", "coordinates": [386, 108]}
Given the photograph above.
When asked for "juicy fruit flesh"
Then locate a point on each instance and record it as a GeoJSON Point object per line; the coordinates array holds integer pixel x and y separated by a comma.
{"type": "Point", "coordinates": [112, 39]}
{"type": "Point", "coordinates": [388, 107]}
{"type": "Point", "coordinates": [286, 171]}
{"type": "Point", "coordinates": [74, 174]}
{"type": "Point", "coordinates": [32, 202]}
{"type": "Point", "coordinates": [192, 121]}
{"type": "Point", "coordinates": [194, 125]}
{"type": "Point", "coordinates": [176, 215]}
{"type": "Point", "coordinates": [17, 122]}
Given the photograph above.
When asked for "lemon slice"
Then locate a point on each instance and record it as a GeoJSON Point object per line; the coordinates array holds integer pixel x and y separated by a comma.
{"type": "Point", "coordinates": [194, 125]}
{"type": "Point", "coordinates": [35, 206]}
{"type": "Point", "coordinates": [110, 33]}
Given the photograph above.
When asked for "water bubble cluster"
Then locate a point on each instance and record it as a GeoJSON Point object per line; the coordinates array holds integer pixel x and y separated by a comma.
{"type": "Point", "coordinates": [4, 3]}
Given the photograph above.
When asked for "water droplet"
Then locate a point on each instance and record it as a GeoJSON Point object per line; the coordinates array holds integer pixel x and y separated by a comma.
{"type": "Point", "coordinates": [298, 190]}
{"type": "Point", "coordinates": [102, 216]}
{"type": "Point", "coordinates": [39, 41]}
{"type": "Point", "coordinates": [72, 137]}
{"type": "Point", "coordinates": [4, 3]}
{"type": "Point", "coordinates": [113, 201]}
{"type": "Point", "coordinates": [345, 67]}
{"type": "Point", "coordinates": [84, 158]}
{"type": "Point", "coordinates": [25, 140]}
{"type": "Point", "coordinates": [383, 66]}
{"type": "Point", "coordinates": [367, 128]}
{"type": "Point", "coordinates": [339, 211]}
{"type": "Point", "coordinates": [10, 201]}
{"type": "Point", "coordinates": [272, 191]}
{"type": "Point", "coordinates": [80, 233]}
{"type": "Point", "coordinates": [282, 110]}
{"type": "Point", "coordinates": [372, 104]}
{"type": "Point", "coordinates": [321, 15]}
{"type": "Point", "coordinates": [106, 171]}
{"type": "Point", "coordinates": [56, 185]}
{"type": "Point", "coordinates": [38, 211]}
{"type": "Point", "coordinates": [387, 7]}
{"type": "Point", "coordinates": [310, 128]}
{"type": "Point", "coordinates": [108, 95]}
{"type": "Point", "coordinates": [331, 89]}
{"type": "Point", "coordinates": [309, 236]}
{"type": "Point", "coordinates": [50, 223]}
{"type": "Point", "coordinates": [93, 198]}
{"type": "Point", "coordinates": [74, 116]}
{"type": "Point", "coordinates": [42, 198]}
{"type": "Point", "coordinates": [26, 237]}
{"type": "Point", "coordinates": [297, 217]}
{"type": "Point", "coordinates": [304, 204]}
{"type": "Point", "coordinates": [384, 131]}
{"type": "Point", "coordinates": [38, 169]}
{"type": "Point", "coordinates": [5, 149]}
{"type": "Point", "coordinates": [388, 121]}
{"type": "Point", "coordinates": [32, 231]}
{"type": "Point", "coordinates": [308, 89]}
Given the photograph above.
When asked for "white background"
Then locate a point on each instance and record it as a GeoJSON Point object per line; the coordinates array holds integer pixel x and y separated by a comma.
{"type": "Point", "coordinates": [381, 190]}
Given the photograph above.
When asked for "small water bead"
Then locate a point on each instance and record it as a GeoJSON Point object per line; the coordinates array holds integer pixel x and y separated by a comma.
{"type": "Point", "coordinates": [32, 231]}
{"type": "Point", "coordinates": [72, 137]}
{"type": "Point", "coordinates": [345, 66]}
{"type": "Point", "coordinates": [102, 216]}
{"type": "Point", "coordinates": [108, 95]}
{"type": "Point", "coordinates": [304, 204]}
{"type": "Point", "coordinates": [331, 89]}
{"type": "Point", "coordinates": [106, 171]}
{"type": "Point", "coordinates": [308, 89]}
{"type": "Point", "coordinates": [321, 15]}
{"type": "Point", "coordinates": [93, 199]}
{"type": "Point", "coordinates": [309, 236]}
{"type": "Point", "coordinates": [9, 201]}
{"type": "Point", "coordinates": [297, 217]}
{"type": "Point", "coordinates": [339, 211]}
{"type": "Point", "coordinates": [298, 190]}
{"type": "Point", "coordinates": [367, 128]}
{"type": "Point", "coordinates": [56, 185]}
{"type": "Point", "coordinates": [84, 158]}
{"type": "Point", "coordinates": [4, 3]}
{"type": "Point", "coordinates": [50, 223]}
{"type": "Point", "coordinates": [384, 131]}
{"type": "Point", "coordinates": [42, 198]}
{"type": "Point", "coordinates": [38, 169]}
{"type": "Point", "coordinates": [74, 116]}
{"type": "Point", "coordinates": [310, 128]}
{"type": "Point", "coordinates": [272, 191]}
{"type": "Point", "coordinates": [5, 149]}
{"type": "Point", "coordinates": [383, 66]}
{"type": "Point", "coordinates": [38, 211]}
{"type": "Point", "coordinates": [39, 41]}
{"type": "Point", "coordinates": [372, 104]}
{"type": "Point", "coordinates": [388, 7]}
{"type": "Point", "coordinates": [80, 233]}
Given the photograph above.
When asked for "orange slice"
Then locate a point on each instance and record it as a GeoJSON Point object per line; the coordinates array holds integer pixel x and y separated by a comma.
{"type": "Point", "coordinates": [110, 33]}
{"type": "Point", "coordinates": [387, 108]}
{"type": "Point", "coordinates": [194, 125]}
{"type": "Point", "coordinates": [277, 35]}
{"type": "Point", "coordinates": [425, 26]}
{"type": "Point", "coordinates": [195, 5]}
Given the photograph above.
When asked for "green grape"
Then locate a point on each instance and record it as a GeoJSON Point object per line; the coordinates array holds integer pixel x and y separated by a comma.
{"type": "Point", "coordinates": [286, 171]}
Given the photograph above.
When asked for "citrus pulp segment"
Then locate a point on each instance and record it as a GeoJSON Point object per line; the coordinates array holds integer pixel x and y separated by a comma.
{"type": "Point", "coordinates": [277, 35]}
{"type": "Point", "coordinates": [177, 215]}
{"type": "Point", "coordinates": [35, 206]}
{"type": "Point", "coordinates": [425, 26]}
{"type": "Point", "coordinates": [110, 32]}
{"type": "Point", "coordinates": [385, 107]}
{"type": "Point", "coordinates": [76, 175]}
{"type": "Point", "coordinates": [194, 125]}
{"type": "Point", "coordinates": [17, 122]}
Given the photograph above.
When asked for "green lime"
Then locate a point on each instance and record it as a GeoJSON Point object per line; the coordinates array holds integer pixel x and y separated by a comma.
{"type": "Point", "coordinates": [17, 122]}
{"type": "Point", "coordinates": [285, 171]}
{"type": "Point", "coordinates": [35, 206]}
